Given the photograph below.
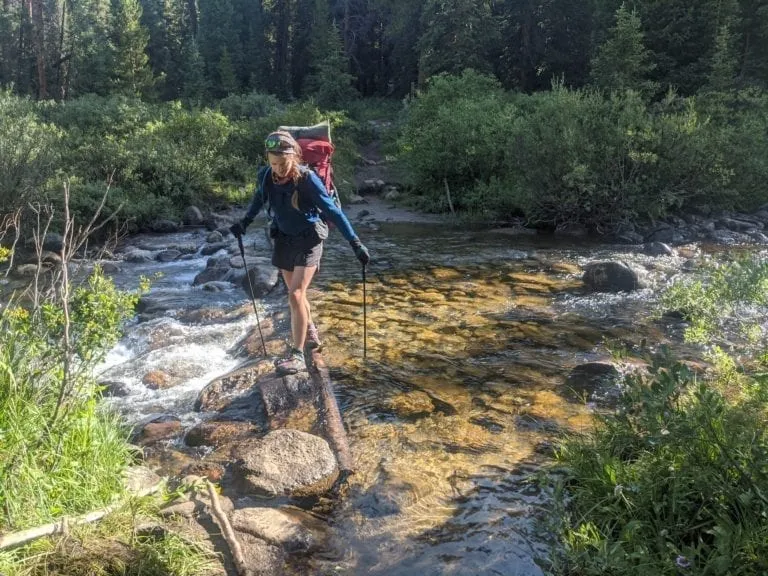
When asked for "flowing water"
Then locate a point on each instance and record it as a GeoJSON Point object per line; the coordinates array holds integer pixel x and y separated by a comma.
{"type": "Point", "coordinates": [470, 336]}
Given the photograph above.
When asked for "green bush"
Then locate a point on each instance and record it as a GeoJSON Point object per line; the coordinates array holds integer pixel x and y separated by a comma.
{"type": "Point", "coordinates": [674, 482]}
{"type": "Point", "coordinates": [248, 106]}
{"type": "Point", "coordinates": [29, 151]}
{"type": "Point", "coordinates": [60, 452]}
{"type": "Point", "coordinates": [581, 157]}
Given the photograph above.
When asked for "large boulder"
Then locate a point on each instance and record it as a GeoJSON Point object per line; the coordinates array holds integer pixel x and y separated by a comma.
{"type": "Point", "coordinates": [218, 433]}
{"type": "Point", "coordinates": [285, 463]}
{"type": "Point", "coordinates": [260, 281]}
{"type": "Point", "coordinates": [193, 216]}
{"type": "Point", "coordinates": [164, 226]}
{"type": "Point", "coordinates": [53, 242]}
{"type": "Point", "coordinates": [611, 277]}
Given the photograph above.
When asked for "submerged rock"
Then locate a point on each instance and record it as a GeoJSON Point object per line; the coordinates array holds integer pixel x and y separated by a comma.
{"type": "Point", "coordinates": [611, 277]}
{"type": "Point", "coordinates": [218, 433]}
{"type": "Point", "coordinates": [285, 463]}
{"type": "Point", "coordinates": [275, 527]}
{"type": "Point", "coordinates": [593, 381]}
{"type": "Point", "coordinates": [408, 405]}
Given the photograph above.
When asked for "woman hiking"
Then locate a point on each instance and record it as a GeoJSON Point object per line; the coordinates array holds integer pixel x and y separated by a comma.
{"type": "Point", "coordinates": [296, 196]}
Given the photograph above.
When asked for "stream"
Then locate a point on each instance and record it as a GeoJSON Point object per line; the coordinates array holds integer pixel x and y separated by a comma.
{"type": "Point", "coordinates": [450, 417]}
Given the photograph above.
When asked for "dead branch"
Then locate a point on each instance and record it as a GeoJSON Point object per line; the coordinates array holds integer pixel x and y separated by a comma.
{"type": "Point", "coordinates": [62, 526]}
{"type": "Point", "coordinates": [226, 530]}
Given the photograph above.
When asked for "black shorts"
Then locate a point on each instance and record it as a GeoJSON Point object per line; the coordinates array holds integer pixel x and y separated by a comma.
{"type": "Point", "coordinates": [302, 250]}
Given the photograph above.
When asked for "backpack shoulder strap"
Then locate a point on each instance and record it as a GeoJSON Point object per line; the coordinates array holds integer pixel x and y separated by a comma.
{"type": "Point", "coordinates": [262, 176]}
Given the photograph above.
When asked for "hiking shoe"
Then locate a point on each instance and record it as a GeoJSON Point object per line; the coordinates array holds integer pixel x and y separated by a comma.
{"type": "Point", "coordinates": [312, 341]}
{"type": "Point", "coordinates": [291, 364]}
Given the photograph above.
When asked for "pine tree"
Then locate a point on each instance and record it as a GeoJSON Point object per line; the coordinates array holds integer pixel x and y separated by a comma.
{"type": "Point", "coordinates": [623, 62]}
{"type": "Point", "coordinates": [194, 84]}
{"type": "Point", "coordinates": [329, 81]}
{"type": "Point", "coordinates": [131, 72]}
{"type": "Point", "coordinates": [458, 34]}
{"type": "Point", "coordinates": [90, 47]}
{"type": "Point", "coordinates": [227, 79]}
{"type": "Point", "coordinates": [723, 74]}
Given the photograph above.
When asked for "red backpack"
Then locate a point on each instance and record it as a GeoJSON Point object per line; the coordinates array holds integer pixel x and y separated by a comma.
{"type": "Point", "coordinates": [317, 151]}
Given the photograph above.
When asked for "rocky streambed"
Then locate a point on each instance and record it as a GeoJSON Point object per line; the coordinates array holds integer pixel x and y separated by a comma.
{"type": "Point", "coordinates": [482, 347]}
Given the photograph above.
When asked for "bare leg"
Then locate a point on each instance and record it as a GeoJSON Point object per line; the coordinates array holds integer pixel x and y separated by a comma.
{"type": "Point", "coordinates": [297, 300]}
{"type": "Point", "coordinates": [287, 277]}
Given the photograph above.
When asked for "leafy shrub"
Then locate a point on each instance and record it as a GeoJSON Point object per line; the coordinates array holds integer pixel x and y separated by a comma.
{"type": "Point", "coordinates": [60, 452]}
{"type": "Point", "coordinates": [674, 482]}
{"type": "Point", "coordinates": [248, 106]}
{"type": "Point", "coordinates": [581, 157]}
{"type": "Point", "coordinates": [28, 151]}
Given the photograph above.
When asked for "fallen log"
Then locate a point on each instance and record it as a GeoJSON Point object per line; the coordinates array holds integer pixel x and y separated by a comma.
{"type": "Point", "coordinates": [331, 417]}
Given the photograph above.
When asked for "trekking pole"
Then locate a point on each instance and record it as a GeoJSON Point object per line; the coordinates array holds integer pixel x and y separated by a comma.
{"type": "Point", "coordinates": [253, 298]}
{"type": "Point", "coordinates": [365, 319]}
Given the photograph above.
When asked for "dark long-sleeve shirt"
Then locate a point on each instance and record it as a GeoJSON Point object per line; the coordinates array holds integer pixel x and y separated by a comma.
{"type": "Point", "coordinates": [313, 199]}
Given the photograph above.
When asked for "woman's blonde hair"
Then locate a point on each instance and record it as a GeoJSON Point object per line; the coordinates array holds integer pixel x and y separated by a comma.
{"type": "Point", "coordinates": [289, 156]}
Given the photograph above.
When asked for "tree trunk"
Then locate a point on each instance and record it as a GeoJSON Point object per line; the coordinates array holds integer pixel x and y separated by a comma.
{"type": "Point", "coordinates": [281, 46]}
{"type": "Point", "coordinates": [38, 24]}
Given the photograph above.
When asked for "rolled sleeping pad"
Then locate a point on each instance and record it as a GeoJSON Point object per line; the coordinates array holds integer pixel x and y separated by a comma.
{"type": "Point", "coordinates": [320, 131]}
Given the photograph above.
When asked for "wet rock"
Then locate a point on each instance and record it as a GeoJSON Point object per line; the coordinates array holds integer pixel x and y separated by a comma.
{"type": "Point", "coordinates": [411, 405]}
{"type": "Point", "coordinates": [185, 249]}
{"type": "Point", "coordinates": [251, 261]}
{"type": "Point", "coordinates": [167, 255]}
{"type": "Point", "coordinates": [193, 216]}
{"type": "Point", "coordinates": [26, 269]}
{"type": "Point", "coordinates": [759, 237]}
{"type": "Point", "coordinates": [214, 237]}
{"type": "Point", "coordinates": [218, 433]}
{"type": "Point", "coordinates": [275, 527]}
{"type": "Point", "coordinates": [137, 256]}
{"type": "Point", "coordinates": [50, 259]}
{"type": "Point", "coordinates": [162, 428]}
{"type": "Point", "coordinates": [53, 242]}
{"type": "Point", "coordinates": [139, 479]}
{"type": "Point", "coordinates": [219, 393]}
{"type": "Point", "coordinates": [392, 195]}
{"type": "Point", "coordinates": [664, 233]}
{"type": "Point", "coordinates": [593, 381]}
{"type": "Point", "coordinates": [164, 226]}
{"type": "Point", "coordinates": [356, 199]}
{"type": "Point", "coordinates": [216, 286]}
{"type": "Point", "coordinates": [210, 249]}
{"type": "Point", "coordinates": [729, 238]}
{"type": "Point", "coordinates": [157, 380]}
{"type": "Point", "coordinates": [362, 214]}
{"type": "Point", "coordinates": [261, 558]}
{"type": "Point", "coordinates": [281, 395]}
{"type": "Point", "coordinates": [260, 281]}
{"type": "Point", "coordinates": [611, 277]}
{"type": "Point", "coordinates": [535, 423]}
{"type": "Point", "coordinates": [110, 267]}
{"type": "Point", "coordinates": [251, 346]}
{"type": "Point", "coordinates": [211, 274]}
{"type": "Point", "coordinates": [115, 389]}
{"type": "Point", "coordinates": [285, 462]}
{"type": "Point", "coordinates": [371, 186]}
{"type": "Point", "coordinates": [658, 249]}
{"type": "Point", "coordinates": [739, 225]}
{"type": "Point", "coordinates": [489, 424]}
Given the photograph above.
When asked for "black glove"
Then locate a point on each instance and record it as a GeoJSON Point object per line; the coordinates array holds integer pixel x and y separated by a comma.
{"type": "Point", "coordinates": [237, 229]}
{"type": "Point", "coordinates": [360, 251]}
